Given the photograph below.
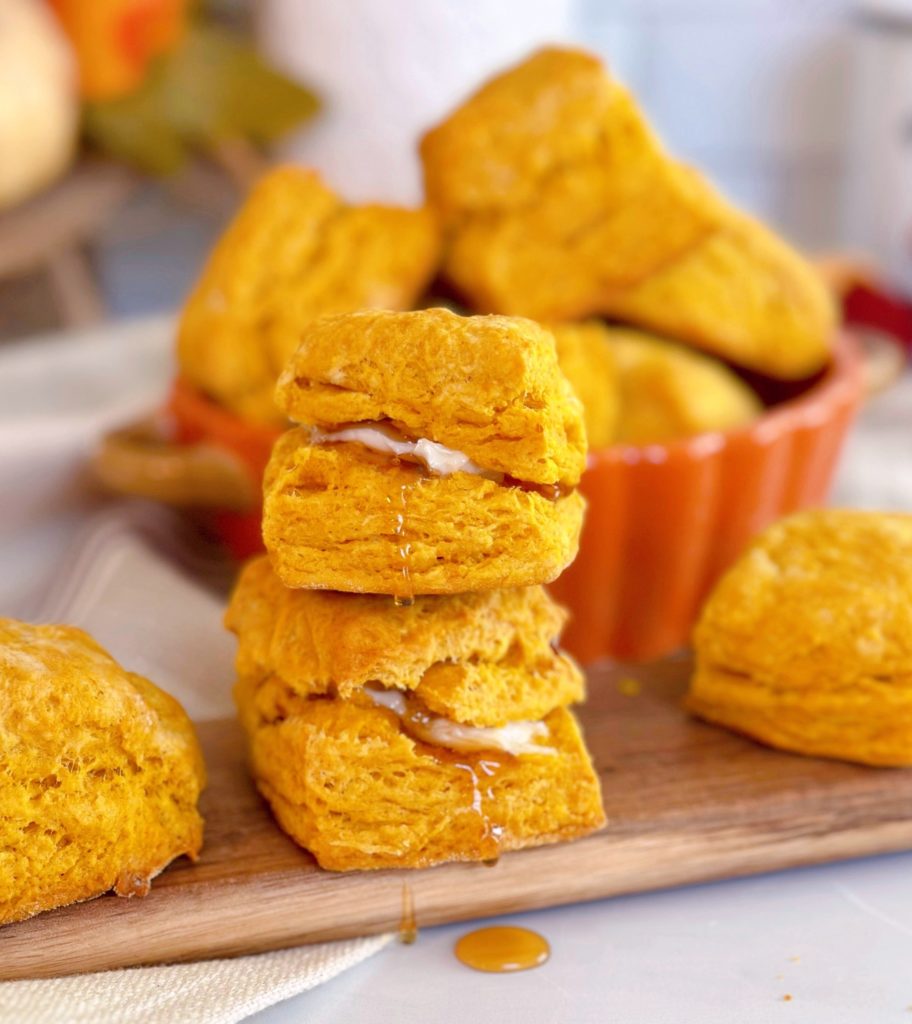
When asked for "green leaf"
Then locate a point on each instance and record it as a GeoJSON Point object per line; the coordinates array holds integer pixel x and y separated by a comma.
{"type": "Point", "coordinates": [213, 88]}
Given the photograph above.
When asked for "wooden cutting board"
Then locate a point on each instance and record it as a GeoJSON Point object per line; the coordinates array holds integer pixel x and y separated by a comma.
{"type": "Point", "coordinates": [685, 803]}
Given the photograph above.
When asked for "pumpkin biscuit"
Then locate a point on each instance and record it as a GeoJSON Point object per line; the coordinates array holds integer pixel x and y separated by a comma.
{"type": "Point", "coordinates": [403, 736]}
{"type": "Point", "coordinates": [350, 785]}
{"type": "Point", "coordinates": [294, 252]}
{"type": "Point", "coordinates": [488, 386]}
{"type": "Point", "coordinates": [481, 659]}
{"type": "Point", "coordinates": [559, 203]}
{"type": "Point", "coordinates": [587, 360]}
{"type": "Point", "coordinates": [639, 389]}
{"type": "Point", "coordinates": [806, 643]}
{"type": "Point", "coordinates": [101, 773]}
{"type": "Point", "coordinates": [481, 446]}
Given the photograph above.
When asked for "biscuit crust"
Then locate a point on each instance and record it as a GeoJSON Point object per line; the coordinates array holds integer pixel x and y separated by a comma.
{"type": "Point", "coordinates": [482, 659]}
{"type": "Point", "coordinates": [294, 252]}
{"type": "Point", "coordinates": [639, 389]}
{"type": "Point", "coordinates": [489, 387]}
{"type": "Point", "coordinates": [806, 643]}
{"type": "Point", "coordinates": [588, 361]}
{"type": "Point", "coordinates": [349, 785]}
{"type": "Point", "coordinates": [559, 203]}
{"type": "Point", "coordinates": [101, 773]}
{"type": "Point", "coordinates": [341, 517]}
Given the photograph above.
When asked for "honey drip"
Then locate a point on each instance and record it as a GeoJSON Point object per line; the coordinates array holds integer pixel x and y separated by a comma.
{"type": "Point", "coordinates": [400, 529]}
{"type": "Point", "coordinates": [502, 948]}
{"type": "Point", "coordinates": [408, 925]}
{"type": "Point", "coordinates": [481, 774]}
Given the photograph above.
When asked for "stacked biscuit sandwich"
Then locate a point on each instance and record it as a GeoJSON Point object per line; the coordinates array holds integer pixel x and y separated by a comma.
{"type": "Point", "coordinates": [399, 678]}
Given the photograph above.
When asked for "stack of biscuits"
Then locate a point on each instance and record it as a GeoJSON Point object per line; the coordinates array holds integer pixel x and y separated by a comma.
{"type": "Point", "coordinates": [399, 678]}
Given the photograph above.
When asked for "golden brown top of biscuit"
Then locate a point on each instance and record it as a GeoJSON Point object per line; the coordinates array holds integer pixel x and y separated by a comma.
{"type": "Point", "coordinates": [487, 386]}
{"type": "Point", "coordinates": [559, 203]}
{"type": "Point", "coordinates": [822, 599]}
{"type": "Point", "coordinates": [294, 252]}
{"type": "Point", "coordinates": [59, 688]}
{"type": "Point", "coordinates": [476, 657]}
{"type": "Point", "coordinates": [531, 119]}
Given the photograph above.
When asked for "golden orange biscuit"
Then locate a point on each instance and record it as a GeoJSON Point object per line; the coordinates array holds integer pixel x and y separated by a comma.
{"type": "Point", "coordinates": [487, 386]}
{"type": "Point", "coordinates": [806, 643]}
{"type": "Point", "coordinates": [560, 203]}
{"type": "Point", "coordinates": [482, 659]}
{"type": "Point", "coordinates": [101, 773]}
{"type": "Point", "coordinates": [293, 253]}
{"type": "Point", "coordinates": [667, 391]}
{"type": "Point", "coordinates": [352, 786]}
{"type": "Point", "coordinates": [639, 389]}
{"type": "Point", "coordinates": [444, 457]}
{"type": "Point", "coordinates": [345, 517]}
{"type": "Point", "coordinates": [744, 295]}
{"type": "Point", "coordinates": [587, 360]}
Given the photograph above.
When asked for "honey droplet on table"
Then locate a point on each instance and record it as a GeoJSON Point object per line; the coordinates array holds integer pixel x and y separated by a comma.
{"type": "Point", "coordinates": [502, 948]}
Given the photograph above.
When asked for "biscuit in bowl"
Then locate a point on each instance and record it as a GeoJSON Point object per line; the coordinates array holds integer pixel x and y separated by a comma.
{"type": "Point", "coordinates": [640, 389]}
{"type": "Point", "coordinates": [294, 252]}
{"type": "Point", "coordinates": [559, 203]}
{"type": "Point", "coordinates": [806, 642]}
{"type": "Point", "coordinates": [440, 455]}
{"type": "Point", "coordinates": [101, 773]}
{"type": "Point", "coordinates": [404, 736]}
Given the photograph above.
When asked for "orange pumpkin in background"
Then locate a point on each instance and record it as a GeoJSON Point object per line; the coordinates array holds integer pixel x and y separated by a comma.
{"type": "Point", "coordinates": [116, 40]}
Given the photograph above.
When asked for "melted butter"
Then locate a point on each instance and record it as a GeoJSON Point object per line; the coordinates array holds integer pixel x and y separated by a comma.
{"type": "Point", "coordinates": [383, 437]}
{"type": "Point", "coordinates": [502, 948]}
{"type": "Point", "coordinates": [514, 738]}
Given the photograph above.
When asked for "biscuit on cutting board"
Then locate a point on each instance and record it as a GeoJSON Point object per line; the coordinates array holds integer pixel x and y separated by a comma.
{"type": "Point", "coordinates": [385, 735]}
{"type": "Point", "coordinates": [806, 642]}
{"type": "Point", "coordinates": [100, 769]}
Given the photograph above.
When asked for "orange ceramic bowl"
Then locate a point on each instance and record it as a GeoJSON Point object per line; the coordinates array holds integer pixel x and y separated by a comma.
{"type": "Point", "coordinates": [665, 520]}
{"type": "Point", "coordinates": [198, 420]}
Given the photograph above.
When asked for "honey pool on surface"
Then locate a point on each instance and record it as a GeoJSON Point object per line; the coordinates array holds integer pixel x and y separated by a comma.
{"type": "Point", "coordinates": [501, 949]}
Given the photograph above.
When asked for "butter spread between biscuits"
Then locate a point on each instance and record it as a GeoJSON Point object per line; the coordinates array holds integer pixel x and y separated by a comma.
{"type": "Point", "coordinates": [439, 460]}
{"type": "Point", "coordinates": [514, 738]}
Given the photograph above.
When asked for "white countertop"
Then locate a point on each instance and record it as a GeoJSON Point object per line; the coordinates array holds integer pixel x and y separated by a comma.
{"type": "Point", "coordinates": [837, 939]}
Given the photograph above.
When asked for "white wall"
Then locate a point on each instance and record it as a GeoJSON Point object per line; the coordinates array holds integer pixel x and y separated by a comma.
{"type": "Point", "coordinates": [755, 92]}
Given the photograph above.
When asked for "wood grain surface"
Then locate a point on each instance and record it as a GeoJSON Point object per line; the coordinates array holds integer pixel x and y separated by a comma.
{"type": "Point", "coordinates": [685, 802]}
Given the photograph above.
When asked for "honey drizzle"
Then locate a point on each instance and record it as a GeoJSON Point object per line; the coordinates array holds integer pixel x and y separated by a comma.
{"type": "Point", "coordinates": [502, 948]}
{"type": "Point", "coordinates": [400, 530]}
{"type": "Point", "coordinates": [481, 771]}
{"type": "Point", "coordinates": [491, 833]}
{"type": "Point", "coordinates": [408, 925]}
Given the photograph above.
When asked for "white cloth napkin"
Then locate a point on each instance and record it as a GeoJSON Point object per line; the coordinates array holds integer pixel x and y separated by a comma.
{"type": "Point", "coordinates": [134, 582]}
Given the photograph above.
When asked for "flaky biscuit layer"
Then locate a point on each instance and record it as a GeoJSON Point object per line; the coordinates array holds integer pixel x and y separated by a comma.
{"type": "Point", "coordinates": [489, 387]}
{"type": "Point", "coordinates": [349, 785]}
{"type": "Point", "coordinates": [340, 517]}
{"type": "Point", "coordinates": [483, 659]}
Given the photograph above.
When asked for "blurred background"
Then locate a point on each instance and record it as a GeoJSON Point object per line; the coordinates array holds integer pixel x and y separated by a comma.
{"type": "Point", "coordinates": [800, 110]}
